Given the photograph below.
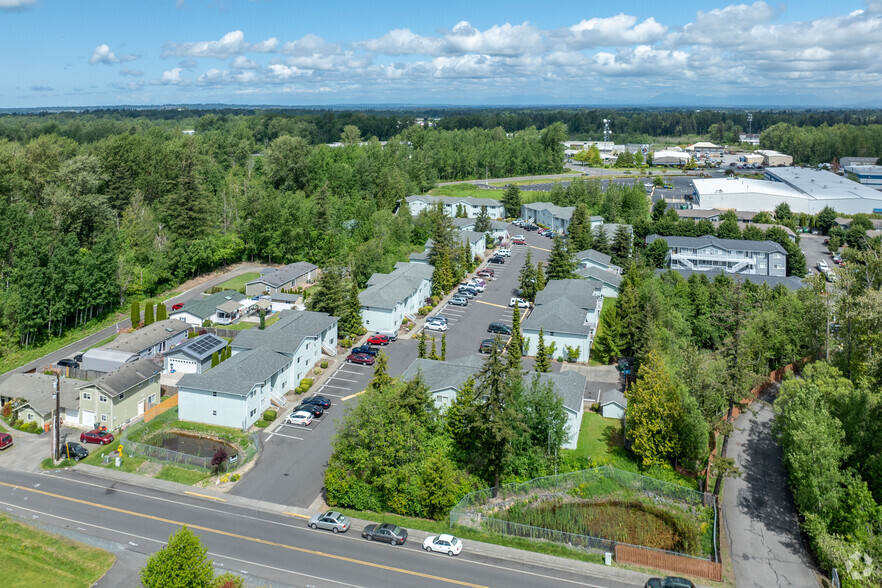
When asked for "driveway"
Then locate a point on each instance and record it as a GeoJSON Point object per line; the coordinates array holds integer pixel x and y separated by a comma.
{"type": "Point", "coordinates": [29, 449]}
{"type": "Point", "coordinates": [761, 524]}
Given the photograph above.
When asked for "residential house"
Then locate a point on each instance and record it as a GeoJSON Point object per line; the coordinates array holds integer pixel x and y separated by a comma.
{"type": "Point", "coordinates": [196, 312]}
{"type": "Point", "coordinates": [498, 229]}
{"type": "Point", "coordinates": [610, 281]}
{"type": "Point", "coordinates": [280, 301]}
{"type": "Point", "coordinates": [567, 311]}
{"type": "Point", "coordinates": [119, 396]}
{"type": "Point", "coordinates": [470, 206]}
{"type": "Point", "coordinates": [194, 355]}
{"type": "Point", "coordinates": [592, 258]}
{"type": "Point", "coordinates": [37, 391]}
{"type": "Point", "coordinates": [142, 343]}
{"type": "Point", "coordinates": [445, 378]}
{"type": "Point", "coordinates": [557, 218]}
{"type": "Point", "coordinates": [291, 276]}
{"type": "Point", "coordinates": [390, 298]}
{"type": "Point", "coordinates": [476, 242]}
{"type": "Point", "coordinates": [731, 255]}
{"type": "Point", "coordinates": [264, 365]}
{"type": "Point", "coordinates": [613, 404]}
{"type": "Point", "coordinates": [101, 359]}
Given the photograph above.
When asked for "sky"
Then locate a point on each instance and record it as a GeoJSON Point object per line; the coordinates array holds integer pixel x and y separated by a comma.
{"type": "Point", "coordinates": [453, 52]}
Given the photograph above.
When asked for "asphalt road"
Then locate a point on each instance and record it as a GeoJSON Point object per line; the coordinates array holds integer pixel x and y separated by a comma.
{"type": "Point", "coordinates": [275, 547]}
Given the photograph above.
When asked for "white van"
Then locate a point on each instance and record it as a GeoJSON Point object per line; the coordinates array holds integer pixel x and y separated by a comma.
{"type": "Point", "coordinates": [391, 335]}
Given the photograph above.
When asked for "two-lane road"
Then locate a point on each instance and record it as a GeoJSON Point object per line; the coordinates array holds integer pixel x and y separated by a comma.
{"type": "Point", "coordinates": [273, 546]}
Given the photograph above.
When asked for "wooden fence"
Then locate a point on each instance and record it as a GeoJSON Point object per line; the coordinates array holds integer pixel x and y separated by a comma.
{"type": "Point", "coordinates": [152, 413]}
{"type": "Point", "coordinates": [665, 560]}
{"type": "Point", "coordinates": [219, 331]}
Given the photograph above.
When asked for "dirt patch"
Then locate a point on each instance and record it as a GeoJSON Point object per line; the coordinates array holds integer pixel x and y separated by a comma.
{"type": "Point", "coordinates": [204, 278]}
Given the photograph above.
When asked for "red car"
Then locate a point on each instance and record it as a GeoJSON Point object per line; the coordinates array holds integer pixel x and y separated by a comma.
{"type": "Point", "coordinates": [5, 440]}
{"type": "Point", "coordinates": [178, 306]}
{"type": "Point", "coordinates": [486, 273]}
{"type": "Point", "coordinates": [378, 340]}
{"type": "Point", "coordinates": [518, 242]}
{"type": "Point", "coordinates": [97, 436]}
{"type": "Point", "coordinates": [362, 358]}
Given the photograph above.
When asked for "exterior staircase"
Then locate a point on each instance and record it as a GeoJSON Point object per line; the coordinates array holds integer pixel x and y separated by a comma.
{"type": "Point", "coordinates": [328, 350]}
{"type": "Point", "coordinates": [278, 399]}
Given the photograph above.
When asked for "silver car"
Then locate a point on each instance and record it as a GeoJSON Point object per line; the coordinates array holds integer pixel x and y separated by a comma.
{"type": "Point", "coordinates": [332, 520]}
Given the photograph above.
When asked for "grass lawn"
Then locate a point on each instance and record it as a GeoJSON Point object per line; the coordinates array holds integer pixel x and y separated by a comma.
{"type": "Point", "coordinates": [240, 326]}
{"type": "Point", "coordinates": [239, 281]}
{"type": "Point", "coordinates": [464, 190]}
{"type": "Point", "coordinates": [31, 556]}
{"type": "Point", "coordinates": [97, 453]}
{"type": "Point", "coordinates": [181, 475]}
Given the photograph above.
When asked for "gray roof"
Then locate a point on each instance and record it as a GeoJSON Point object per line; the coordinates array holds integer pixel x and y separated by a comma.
{"type": "Point", "coordinates": [442, 375]}
{"type": "Point", "coordinates": [595, 256]}
{"type": "Point", "coordinates": [461, 223]}
{"type": "Point", "coordinates": [286, 334]}
{"type": "Point", "coordinates": [105, 354]}
{"type": "Point", "coordinates": [595, 273]}
{"type": "Point", "coordinates": [229, 307]}
{"type": "Point", "coordinates": [38, 390]}
{"type": "Point", "coordinates": [125, 377]}
{"type": "Point", "coordinates": [564, 212]}
{"type": "Point", "coordinates": [453, 200]}
{"type": "Point", "coordinates": [286, 274]}
{"type": "Point", "coordinates": [238, 374]}
{"type": "Point", "coordinates": [563, 307]}
{"type": "Point", "coordinates": [611, 228]}
{"type": "Point", "coordinates": [205, 308]}
{"type": "Point", "coordinates": [422, 256]}
{"type": "Point", "coordinates": [387, 290]}
{"type": "Point", "coordinates": [614, 395]}
{"type": "Point", "coordinates": [727, 244]}
{"type": "Point", "coordinates": [146, 337]}
{"type": "Point", "coordinates": [789, 282]}
{"type": "Point", "coordinates": [199, 348]}
{"type": "Point", "coordinates": [472, 237]}
{"type": "Point", "coordinates": [284, 297]}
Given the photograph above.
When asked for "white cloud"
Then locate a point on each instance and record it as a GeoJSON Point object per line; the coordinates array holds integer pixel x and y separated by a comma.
{"type": "Point", "coordinates": [310, 45]}
{"type": "Point", "coordinates": [173, 77]}
{"type": "Point", "coordinates": [281, 72]}
{"type": "Point", "coordinates": [131, 72]}
{"type": "Point", "coordinates": [403, 42]}
{"type": "Point", "coordinates": [266, 46]}
{"type": "Point", "coordinates": [615, 31]}
{"type": "Point", "coordinates": [506, 39]}
{"type": "Point", "coordinates": [16, 5]}
{"type": "Point", "coordinates": [103, 54]}
{"type": "Point", "coordinates": [233, 43]}
{"type": "Point", "coordinates": [242, 62]}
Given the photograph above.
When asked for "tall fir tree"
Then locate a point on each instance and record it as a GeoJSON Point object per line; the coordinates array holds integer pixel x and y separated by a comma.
{"type": "Point", "coordinates": [482, 222]}
{"type": "Point", "coordinates": [561, 263]}
{"type": "Point", "coordinates": [629, 313]}
{"type": "Point", "coordinates": [579, 230]}
{"type": "Point", "coordinates": [136, 314]}
{"type": "Point", "coordinates": [433, 354]}
{"type": "Point", "coordinates": [515, 344]}
{"type": "Point", "coordinates": [527, 278]}
{"type": "Point", "coordinates": [421, 345]}
{"type": "Point", "coordinates": [148, 313]}
{"type": "Point", "coordinates": [511, 200]}
{"type": "Point", "coordinates": [161, 312]}
{"type": "Point", "coordinates": [350, 322]}
{"type": "Point", "coordinates": [330, 293]}
{"type": "Point", "coordinates": [215, 359]}
{"type": "Point", "coordinates": [609, 333]}
{"type": "Point", "coordinates": [443, 346]}
{"type": "Point", "coordinates": [654, 411]}
{"type": "Point", "coordinates": [621, 246]}
{"type": "Point", "coordinates": [601, 241]}
{"type": "Point", "coordinates": [540, 277]}
{"type": "Point", "coordinates": [542, 363]}
{"type": "Point", "coordinates": [381, 379]}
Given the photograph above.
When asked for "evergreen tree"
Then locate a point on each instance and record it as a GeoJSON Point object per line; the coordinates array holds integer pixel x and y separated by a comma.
{"type": "Point", "coordinates": [657, 253]}
{"type": "Point", "coordinates": [601, 241]}
{"type": "Point", "coordinates": [136, 314]}
{"type": "Point", "coordinates": [460, 420]}
{"type": "Point", "coordinates": [215, 359]}
{"type": "Point", "coordinates": [161, 312]}
{"type": "Point", "coordinates": [181, 563]}
{"type": "Point", "coordinates": [350, 322]}
{"type": "Point", "coordinates": [381, 379]}
{"type": "Point", "coordinates": [421, 345]}
{"type": "Point", "coordinates": [148, 313]}
{"type": "Point", "coordinates": [654, 412]}
{"type": "Point", "coordinates": [527, 278]}
{"type": "Point", "coordinates": [443, 346]}
{"type": "Point", "coordinates": [460, 211]}
{"type": "Point", "coordinates": [540, 277]}
{"type": "Point", "coordinates": [515, 344]}
{"type": "Point", "coordinates": [444, 252]}
{"type": "Point", "coordinates": [594, 159]}
{"type": "Point", "coordinates": [579, 229]}
{"type": "Point", "coordinates": [330, 293]}
{"type": "Point", "coordinates": [621, 247]}
{"type": "Point", "coordinates": [262, 315]}
{"type": "Point", "coordinates": [630, 314]}
{"type": "Point", "coordinates": [511, 200]}
{"type": "Point", "coordinates": [609, 332]}
{"type": "Point", "coordinates": [482, 223]}
{"type": "Point", "coordinates": [542, 363]}
{"type": "Point", "coordinates": [561, 263]}
{"type": "Point", "coordinates": [433, 354]}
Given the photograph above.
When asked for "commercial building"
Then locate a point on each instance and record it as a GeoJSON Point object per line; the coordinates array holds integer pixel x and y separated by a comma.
{"type": "Point", "coordinates": [868, 175]}
{"type": "Point", "coordinates": [774, 158]}
{"type": "Point", "coordinates": [705, 148]}
{"type": "Point", "coordinates": [567, 311]}
{"type": "Point", "coordinates": [390, 298]}
{"type": "Point", "coordinates": [849, 161]}
{"type": "Point", "coordinates": [730, 255]}
{"type": "Point", "coordinates": [667, 157]}
{"type": "Point", "coordinates": [750, 139]}
{"type": "Point", "coordinates": [470, 206]}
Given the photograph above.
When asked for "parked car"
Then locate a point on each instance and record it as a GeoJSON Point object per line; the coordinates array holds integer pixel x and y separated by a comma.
{"type": "Point", "coordinates": [5, 440]}
{"type": "Point", "coordinates": [73, 451]}
{"type": "Point", "coordinates": [521, 237]}
{"type": "Point", "coordinates": [464, 292]}
{"type": "Point", "coordinates": [178, 306]}
{"type": "Point", "coordinates": [78, 358]}
{"type": "Point", "coordinates": [438, 317]}
{"type": "Point", "coordinates": [518, 241]}
{"type": "Point", "coordinates": [822, 265]}
{"type": "Point", "coordinates": [505, 252]}
{"type": "Point", "coordinates": [500, 328]}
{"type": "Point", "coordinates": [459, 301]}
{"type": "Point", "coordinates": [67, 363]}
{"type": "Point", "coordinates": [367, 349]}
{"type": "Point", "coordinates": [378, 340]}
{"type": "Point", "coordinates": [669, 582]}
{"type": "Point", "coordinates": [320, 400]}
{"type": "Point", "coordinates": [99, 436]}
{"type": "Point", "coordinates": [487, 345]}
{"type": "Point", "coordinates": [520, 302]}
{"type": "Point", "coordinates": [386, 532]}
{"type": "Point", "coordinates": [435, 326]}
{"type": "Point", "coordinates": [301, 417]}
{"type": "Point", "coordinates": [444, 544]}
{"type": "Point", "coordinates": [391, 335]}
{"type": "Point", "coordinates": [331, 520]}
{"type": "Point", "coordinates": [486, 273]}
{"type": "Point", "coordinates": [316, 410]}
{"type": "Point", "coordinates": [477, 287]}
{"type": "Point", "coordinates": [837, 259]}
{"type": "Point", "coordinates": [496, 259]}
{"type": "Point", "coordinates": [362, 358]}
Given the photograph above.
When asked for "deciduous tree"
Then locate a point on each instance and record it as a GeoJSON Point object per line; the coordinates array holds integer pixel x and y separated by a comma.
{"type": "Point", "coordinates": [182, 563]}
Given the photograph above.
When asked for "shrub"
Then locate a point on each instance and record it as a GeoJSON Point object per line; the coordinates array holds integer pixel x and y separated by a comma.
{"type": "Point", "coordinates": [317, 371]}
{"type": "Point", "coordinates": [270, 415]}
{"type": "Point", "coordinates": [424, 310]}
{"type": "Point", "coordinates": [595, 407]}
{"type": "Point", "coordinates": [324, 364]}
{"type": "Point", "coordinates": [217, 461]}
{"type": "Point", "coordinates": [235, 478]}
{"type": "Point", "coordinates": [228, 580]}
{"type": "Point", "coordinates": [306, 382]}
{"type": "Point", "coordinates": [225, 479]}
{"type": "Point", "coordinates": [300, 389]}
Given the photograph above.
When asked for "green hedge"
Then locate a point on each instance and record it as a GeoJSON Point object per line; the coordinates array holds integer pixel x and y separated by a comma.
{"type": "Point", "coordinates": [306, 382]}
{"type": "Point", "coordinates": [270, 415]}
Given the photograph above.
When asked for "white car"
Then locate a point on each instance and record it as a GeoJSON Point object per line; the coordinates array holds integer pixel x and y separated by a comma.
{"type": "Point", "coordinates": [822, 266]}
{"type": "Point", "coordinates": [477, 286]}
{"type": "Point", "coordinates": [520, 302]}
{"type": "Point", "coordinates": [504, 252]}
{"type": "Point", "coordinates": [443, 543]}
{"type": "Point", "coordinates": [435, 326]}
{"type": "Point", "coordinates": [301, 417]}
{"type": "Point", "coordinates": [519, 237]}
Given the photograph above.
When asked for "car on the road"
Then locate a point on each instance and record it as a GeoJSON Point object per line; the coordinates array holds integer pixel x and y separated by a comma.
{"type": "Point", "coordinates": [500, 328]}
{"type": "Point", "coordinates": [320, 400]}
{"type": "Point", "coordinates": [362, 358]}
{"type": "Point", "coordinates": [520, 302]}
{"type": "Point", "coordinates": [301, 417]}
{"type": "Point", "coordinates": [444, 544]}
{"type": "Point", "coordinates": [365, 349]}
{"type": "Point", "coordinates": [99, 436]}
{"type": "Point", "coordinates": [316, 410]}
{"type": "Point", "coordinates": [331, 520]}
{"type": "Point", "coordinates": [496, 259]}
{"type": "Point", "coordinates": [436, 326]}
{"type": "Point", "coordinates": [73, 451]}
{"type": "Point", "coordinates": [669, 582]}
{"type": "Point", "coordinates": [505, 252]}
{"type": "Point", "coordinates": [486, 272]}
{"type": "Point", "coordinates": [822, 265]}
{"type": "Point", "coordinates": [487, 345]}
{"type": "Point", "coordinates": [67, 363]}
{"type": "Point", "coordinates": [178, 306]}
{"type": "Point", "coordinates": [5, 440]}
{"type": "Point", "coordinates": [378, 340]}
{"type": "Point", "coordinates": [459, 301]}
{"type": "Point", "coordinates": [385, 532]}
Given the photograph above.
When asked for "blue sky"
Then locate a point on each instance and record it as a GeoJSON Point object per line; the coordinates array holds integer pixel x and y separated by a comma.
{"type": "Point", "coordinates": [146, 52]}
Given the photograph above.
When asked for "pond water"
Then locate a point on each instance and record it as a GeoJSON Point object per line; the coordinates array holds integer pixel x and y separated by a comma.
{"type": "Point", "coordinates": [191, 444]}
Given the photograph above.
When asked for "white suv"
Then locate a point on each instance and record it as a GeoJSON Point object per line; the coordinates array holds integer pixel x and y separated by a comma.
{"type": "Point", "coordinates": [504, 252]}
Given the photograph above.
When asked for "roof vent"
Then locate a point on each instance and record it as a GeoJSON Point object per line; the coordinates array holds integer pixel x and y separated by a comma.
{"type": "Point", "coordinates": [228, 297]}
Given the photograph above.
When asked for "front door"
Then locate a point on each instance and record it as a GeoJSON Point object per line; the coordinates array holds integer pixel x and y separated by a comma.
{"type": "Point", "coordinates": [141, 408]}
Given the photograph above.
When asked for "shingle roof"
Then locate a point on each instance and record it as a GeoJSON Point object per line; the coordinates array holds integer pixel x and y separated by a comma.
{"type": "Point", "coordinates": [147, 337]}
{"type": "Point", "coordinates": [285, 297]}
{"type": "Point", "coordinates": [238, 374]}
{"type": "Point", "coordinates": [595, 273]}
{"type": "Point", "coordinates": [286, 334]}
{"type": "Point", "coordinates": [789, 282]}
{"type": "Point", "coordinates": [564, 212]}
{"type": "Point", "coordinates": [38, 390]}
{"type": "Point", "coordinates": [495, 225]}
{"type": "Point", "coordinates": [125, 377]}
{"type": "Point", "coordinates": [199, 348]}
{"type": "Point", "coordinates": [563, 307]}
{"type": "Point", "coordinates": [595, 256]}
{"type": "Point", "coordinates": [387, 290]}
{"type": "Point", "coordinates": [727, 244]}
{"type": "Point", "coordinates": [471, 200]}
{"type": "Point", "coordinates": [286, 274]}
{"type": "Point", "coordinates": [205, 308]}
{"type": "Point", "coordinates": [614, 395]}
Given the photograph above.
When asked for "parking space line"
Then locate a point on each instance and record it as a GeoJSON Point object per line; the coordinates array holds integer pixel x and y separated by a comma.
{"type": "Point", "coordinates": [329, 394]}
{"type": "Point", "coordinates": [490, 304]}
{"type": "Point", "coordinates": [347, 372]}
{"type": "Point", "coordinates": [281, 435]}
{"type": "Point", "coordinates": [351, 396]}
{"type": "Point", "coordinates": [337, 387]}
{"type": "Point", "coordinates": [339, 378]}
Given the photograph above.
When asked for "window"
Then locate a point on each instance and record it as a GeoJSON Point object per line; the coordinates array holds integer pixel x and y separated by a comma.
{"type": "Point", "coordinates": [214, 413]}
{"type": "Point", "coordinates": [30, 416]}
{"type": "Point", "coordinates": [103, 418]}
{"type": "Point", "coordinates": [151, 399]}
{"type": "Point", "coordinates": [253, 410]}
{"type": "Point", "coordinates": [123, 395]}
{"type": "Point", "coordinates": [87, 396]}
{"type": "Point", "coordinates": [102, 398]}
{"type": "Point", "coordinates": [214, 393]}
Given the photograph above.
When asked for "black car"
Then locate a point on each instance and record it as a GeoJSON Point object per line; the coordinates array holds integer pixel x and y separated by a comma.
{"type": "Point", "coordinates": [499, 328]}
{"type": "Point", "coordinates": [386, 532]}
{"type": "Point", "coordinates": [67, 363]}
{"type": "Point", "coordinates": [319, 400]}
{"type": "Point", "coordinates": [487, 345]}
{"type": "Point", "coordinates": [315, 409]}
{"type": "Point", "coordinates": [669, 582]}
{"type": "Point", "coordinates": [496, 259]}
{"type": "Point", "coordinates": [73, 451]}
{"type": "Point", "coordinates": [365, 349]}
{"type": "Point", "coordinates": [78, 358]}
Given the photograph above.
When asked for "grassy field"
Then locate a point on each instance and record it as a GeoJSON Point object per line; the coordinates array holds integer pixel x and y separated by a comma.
{"type": "Point", "coordinates": [181, 475]}
{"type": "Point", "coordinates": [97, 453]}
{"type": "Point", "coordinates": [239, 281]}
{"type": "Point", "coordinates": [30, 557]}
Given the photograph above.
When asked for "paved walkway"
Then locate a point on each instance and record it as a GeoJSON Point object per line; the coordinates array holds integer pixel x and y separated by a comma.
{"type": "Point", "coordinates": [761, 525]}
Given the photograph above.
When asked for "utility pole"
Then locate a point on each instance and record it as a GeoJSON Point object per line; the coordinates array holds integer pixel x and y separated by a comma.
{"type": "Point", "coordinates": [56, 429]}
